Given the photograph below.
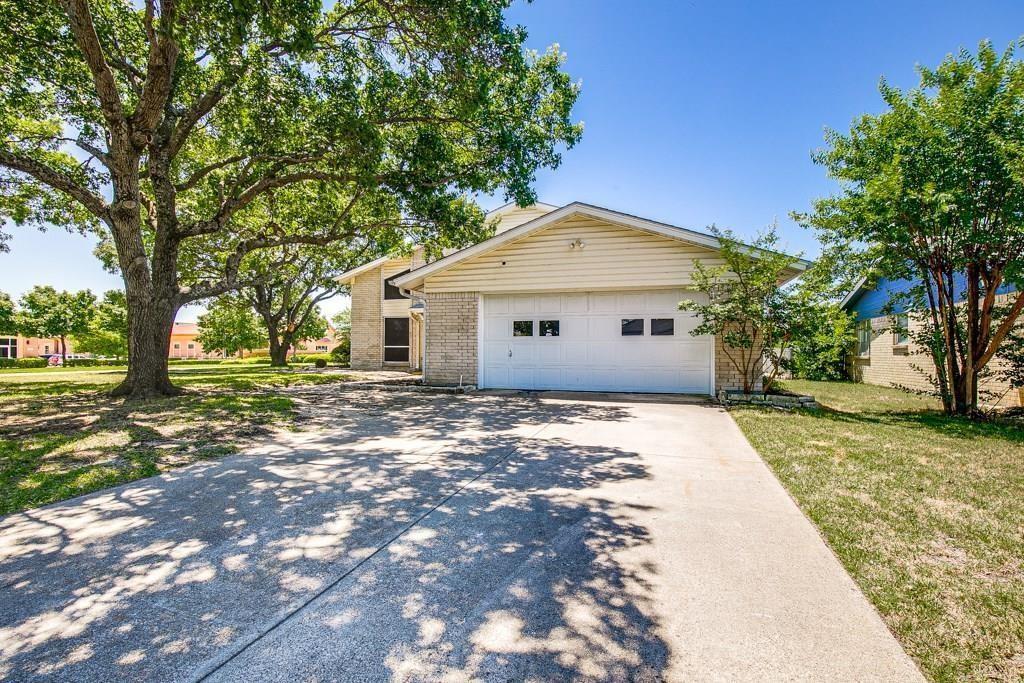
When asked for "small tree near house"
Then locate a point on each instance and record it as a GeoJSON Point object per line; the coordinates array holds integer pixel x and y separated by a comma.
{"type": "Point", "coordinates": [746, 307]}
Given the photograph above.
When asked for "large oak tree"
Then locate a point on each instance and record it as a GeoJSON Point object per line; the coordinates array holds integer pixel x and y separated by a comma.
{"type": "Point", "coordinates": [160, 126]}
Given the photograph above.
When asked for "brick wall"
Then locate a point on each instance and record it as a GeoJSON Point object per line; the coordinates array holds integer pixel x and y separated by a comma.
{"type": "Point", "coordinates": [451, 336]}
{"type": "Point", "coordinates": [910, 366]}
{"type": "Point", "coordinates": [727, 377]}
{"type": "Point", "coordinates": [367, 321]}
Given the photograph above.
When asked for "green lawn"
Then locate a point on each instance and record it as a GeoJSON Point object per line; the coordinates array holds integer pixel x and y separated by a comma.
{"type": "Point", "coordinates": [926, 512]}
{"type": "Point", "coordinates": [61, 435]}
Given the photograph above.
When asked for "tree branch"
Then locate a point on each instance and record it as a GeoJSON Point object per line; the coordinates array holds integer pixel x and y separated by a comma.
{"type": "Point", "coordinates": [88, 41]}
{"type": "Point", "coordinates": [56, 180]}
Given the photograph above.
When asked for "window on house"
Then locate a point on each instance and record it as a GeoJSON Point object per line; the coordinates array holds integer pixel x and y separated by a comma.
{"type": "Point", "coordinates": [632, 327]}
{"type": "Point", "coordinates": [392, 292]}
{"type": "Point", "coordinates": [8, 347]}
{"type": "Point", "coordinates": [191, 346]}
{"type": "Point", "coordinates": [864, 338]}
{"type": "Point", "coordinates": [396, 340]}
{"type": "Point", "coordinates": [177, 346]}
{"type": "Point", "coordinates": [321, 347]}
{"type": "Point", "coordinates": [549, 328]}
{"type": "Point", "coordinates": [522, 328]}
{"type": "Point", "coordinates": [663, 327]}
{"type": "Point", "coordinates": [901, 330]}
{"type": "Point", "coordinates": [46, 349]}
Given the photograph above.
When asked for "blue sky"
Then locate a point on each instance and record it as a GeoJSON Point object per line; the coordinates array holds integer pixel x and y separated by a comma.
{"type": "Point", "coordinates": [695, 112]}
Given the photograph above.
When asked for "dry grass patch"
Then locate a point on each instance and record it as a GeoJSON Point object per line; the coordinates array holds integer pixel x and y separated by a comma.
{"type": "Point", "coordinates": [926, 512]}
{"type": "Point", "coordinates": [61, 437]}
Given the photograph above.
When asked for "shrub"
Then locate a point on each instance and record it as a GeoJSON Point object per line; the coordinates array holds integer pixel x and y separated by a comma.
{"type": "Point", "coordinates": [342, 353]}
{"type": "Point", "coordinates": [320, 363]}
{"type": "Point", "coordinates": [820, 351]}
{"type": "Point", "coordinates": [30, 363]}
{"type": "Point", "coordinates": [311, 357]}
{"type": "Point", "coordinates": [94, 362]}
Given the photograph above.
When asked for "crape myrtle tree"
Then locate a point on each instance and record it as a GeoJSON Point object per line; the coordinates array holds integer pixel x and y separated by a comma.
{"type": "Point", "coordinates": [229, 325]}
{"type": "Point", "coordinates": [745, 305]}
{"type": "Point", "coordinates": [158, 123]}
{"type": "Point", "coordinates": [45, 312]}
{"type": "Point", "coordinates": [933, 191]}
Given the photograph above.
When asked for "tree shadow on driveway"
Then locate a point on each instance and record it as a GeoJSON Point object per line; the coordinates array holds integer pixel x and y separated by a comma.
{"type": "Point", "coordinates": [423, 536]}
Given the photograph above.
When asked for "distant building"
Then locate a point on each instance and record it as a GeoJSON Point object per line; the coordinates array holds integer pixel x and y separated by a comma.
{"type": "Point", "coordinates": [16, 346]}
{"type": "Point", "coordinates": [185, 344]}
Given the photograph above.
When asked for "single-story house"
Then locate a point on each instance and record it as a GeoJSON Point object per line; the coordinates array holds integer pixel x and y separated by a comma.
{"type": "Point", "coordinates": [576, 297]}
{"type": "Point", "coordinates": [885, 352]}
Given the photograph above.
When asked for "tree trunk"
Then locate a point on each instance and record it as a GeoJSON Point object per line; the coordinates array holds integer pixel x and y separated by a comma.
{"type": "Point", "coordinates": [278, 353]}
{"type": "Point", "coordinates": [63, 352]}
{"type": "Point", "coordinates": [149, 336]}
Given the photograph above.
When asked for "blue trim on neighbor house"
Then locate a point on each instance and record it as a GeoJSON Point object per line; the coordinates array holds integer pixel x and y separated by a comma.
{"type": "Point", "coordinates": [871, 303]}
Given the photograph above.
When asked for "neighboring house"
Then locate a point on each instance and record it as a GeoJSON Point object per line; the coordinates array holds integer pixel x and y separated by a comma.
{"type": "Point", "coordinates": [185, 345]}
{"type": "Point", "coordinates": [575, 298]}
{"type": "Point", "coordinates": [322, 345]}
{"type": "Point", "coordinates": [890, 358]}
{"type": "Point", "coordinates": [16, 346]}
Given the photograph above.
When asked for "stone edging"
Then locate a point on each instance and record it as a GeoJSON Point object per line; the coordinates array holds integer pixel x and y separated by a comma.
{"type": "Point", "coordinates": [775, 400]}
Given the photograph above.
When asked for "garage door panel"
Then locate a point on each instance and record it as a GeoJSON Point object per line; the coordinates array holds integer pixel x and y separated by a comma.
{"type": "Point", "coordinates": [497, 328]}
{"type": "Point", "coordinates": [575, 353]}
{"type": "Point", "coordinates": [499, 376]}
{"type": "Point", "coordinates": [496, 305]}
{"type": "Point", "coordinates": [523, 377]}
{"type": "Point", "coordinates": [549, 304]}
{"type": "Point", "coordinates": [574, 303]}
{"type": "Point", "coordinates": [549, 353]}
{"type": "Point", "coordinates": [590, 353]}
{"type": "Point", "coordinates": [524, 304]}
{"type": "Point", "coordinates": [495, 352]}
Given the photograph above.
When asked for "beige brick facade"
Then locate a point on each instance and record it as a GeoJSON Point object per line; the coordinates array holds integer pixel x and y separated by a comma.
{"type": "Point", "coordinates": [727, 377]}
{"type": "Point", "coordinates": [451, 338]}
{"type": "Point", "coordinates": [367, 321]}
{"type": "Point", "coordinates": [910, 366]}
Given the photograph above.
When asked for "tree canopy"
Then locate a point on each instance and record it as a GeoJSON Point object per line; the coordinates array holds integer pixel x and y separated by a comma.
{"type": "Point", "coordinates": [163, 126]}
{"type": "Point", "coordinates": [8, 323]}
{"type": "Point", "coordinates": [229, 325]}
{"type": "Point", "coordinates": [932, 190]}
{"type": "Point", "coordinates": [745, 306]}
{"type": "Point", "coordinates": [45, 312]}
{"type": "Point", "coordinates": [107, 333]}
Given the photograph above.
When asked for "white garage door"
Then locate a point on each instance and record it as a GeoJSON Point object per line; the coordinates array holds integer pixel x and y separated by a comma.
{"type": "Point", "coordinates": [596, 341]}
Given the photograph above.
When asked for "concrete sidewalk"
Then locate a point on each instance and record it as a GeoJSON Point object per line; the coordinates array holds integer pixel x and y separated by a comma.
{"type": "Point", "coordinates": [420, 537]}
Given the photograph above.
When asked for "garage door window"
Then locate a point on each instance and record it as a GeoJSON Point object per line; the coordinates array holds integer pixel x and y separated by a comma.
{"type": "Point", "coordinates": [522, 328]}
{"type": "Point", "coordinates": [549, 328]}
{"type": "Point", "coordinates": [663, 326]}
{"type": "Point", "coordinates": [632, 327]}
{"type": "Point", "coordinates": [396, 340]}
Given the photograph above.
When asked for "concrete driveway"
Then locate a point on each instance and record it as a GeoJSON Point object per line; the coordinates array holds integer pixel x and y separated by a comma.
{"type": "Point", "coordinates": [408, 536]}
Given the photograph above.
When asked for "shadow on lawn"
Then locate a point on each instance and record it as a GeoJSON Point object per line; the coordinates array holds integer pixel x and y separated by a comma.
{"type": "Point", "coordinates": [519, 576]}
{"type": "Point", "coordinates": [53, 448]}
{"type": "Point", "coordinates": [934, 420]}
